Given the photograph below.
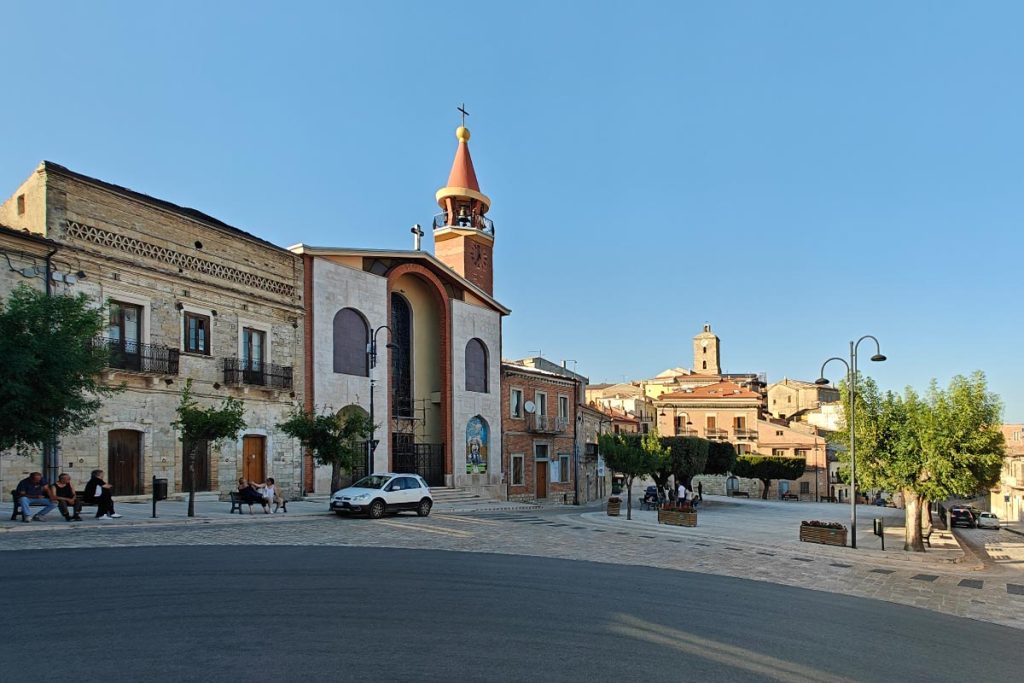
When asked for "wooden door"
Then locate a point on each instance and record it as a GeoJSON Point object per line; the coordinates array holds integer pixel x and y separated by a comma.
{"type": "Point", "coordinates": [253, 458]}
{"type": "Point", "coordinates": [124, 462]}
{"type": "Point", "coordinates": [202, 466]}
{"type": "Point", "coordinates": [542, 479]}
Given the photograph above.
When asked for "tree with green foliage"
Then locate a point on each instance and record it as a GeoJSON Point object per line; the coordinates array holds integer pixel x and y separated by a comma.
{"type": "Point", "coordinates": [766, 468]}
{"type": "Point", "coordinates": [49, 375]}
{"type": "Point", "coordinates": [687, 456]}
{"type": "Point", "coordinates": [721, 457]}
{"type": "Point", "coordinates": [336, 439]}
{"type": "Point", "coordinates": [632, 455]}
{"type": "Point", "coordinates": [944, 443]}
{"type": "Point", "coordinates": [196, 424]}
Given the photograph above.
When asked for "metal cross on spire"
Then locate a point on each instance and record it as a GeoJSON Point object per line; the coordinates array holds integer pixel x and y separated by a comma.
{"type": "Point", "coordinates": [465, 113]}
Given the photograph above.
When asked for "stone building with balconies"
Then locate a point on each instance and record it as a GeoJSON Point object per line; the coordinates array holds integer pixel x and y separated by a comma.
{"type": "Point", "coordinates": [186, 296]}
{"type": "Point", "coordinates": [1007, 497]}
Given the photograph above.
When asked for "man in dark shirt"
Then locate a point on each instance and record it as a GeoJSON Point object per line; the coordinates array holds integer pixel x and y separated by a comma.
{"type": "Point", "coordinates": [34, 490]}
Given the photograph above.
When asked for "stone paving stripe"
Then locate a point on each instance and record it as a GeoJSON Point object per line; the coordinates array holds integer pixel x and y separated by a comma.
{"type": "Point", "coordinates": [924, 577]}
{"type": "Point", "coordinates": [703, 544]}
{"type": "Point", "coordinates": [840, 564]}
{"type": "Point", "coordinates": [971, 583]}
{"type": "Point", "coordinates": [622, 533]}
{"type": "Point", "coordinates": [883, 571]}
{"type": "Point", "coordinates": [736, 549]}
{"type": "Point", "coordinates": [802, 559]}
{"type": "Point", "coordinates": [762, 552]}
{"type": "Point", "coordinates": [1014, 589]}
{"type": "Point", "coordinates": [598, 531]}
{"type": "Point", "coordinates": [579, 527]}
{"type": "Point", "coordinates": [646, 536]}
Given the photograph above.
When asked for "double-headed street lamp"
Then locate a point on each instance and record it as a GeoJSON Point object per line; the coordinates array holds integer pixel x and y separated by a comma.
{"type": "Point", "coordinates": [851, 382]}
{"type": "Point", "coordinates": [371, 359]}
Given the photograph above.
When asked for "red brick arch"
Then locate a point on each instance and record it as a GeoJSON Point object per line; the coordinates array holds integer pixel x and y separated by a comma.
{"type": "Point", "coordinates": [444, 304]}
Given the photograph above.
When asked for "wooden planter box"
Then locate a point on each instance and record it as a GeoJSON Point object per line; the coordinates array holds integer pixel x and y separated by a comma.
{"type": "Point", "coordinates": [677, 517]}
{"type": "Point", "coordinates": [613, 507]}
{"type": "Point", "coordinates": [817, 534]}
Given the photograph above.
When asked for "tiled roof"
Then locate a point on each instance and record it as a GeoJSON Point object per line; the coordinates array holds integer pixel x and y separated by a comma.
{"type": "Point", "coordinates": [718, 390]}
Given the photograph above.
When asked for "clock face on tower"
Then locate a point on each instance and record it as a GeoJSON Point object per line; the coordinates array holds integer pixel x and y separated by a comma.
{"type": "Point", "coordinates": [478, 254]}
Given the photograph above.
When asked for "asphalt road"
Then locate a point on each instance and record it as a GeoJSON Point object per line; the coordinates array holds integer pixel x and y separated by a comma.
{"type": "Point", "coordinates": [346, 613]}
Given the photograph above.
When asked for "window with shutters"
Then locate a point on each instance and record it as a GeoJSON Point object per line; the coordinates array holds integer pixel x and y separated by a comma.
{"type": "Point", "coordinates": [476, 366]}
{"type": "Point", "coordinates": [351, 335]}
{"type": "Point", "coordinates": [197, 333]}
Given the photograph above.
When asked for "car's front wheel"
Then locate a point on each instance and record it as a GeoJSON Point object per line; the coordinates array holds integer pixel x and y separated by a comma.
{"type": "Point", "coordinates": [377, 509]}
{"type": "Point", "coordinates": [424, 507]}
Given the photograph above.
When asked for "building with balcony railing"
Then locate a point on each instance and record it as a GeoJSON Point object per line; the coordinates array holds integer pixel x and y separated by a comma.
{"type": "Point", "coordinates": [241, 372]}
{"type": "Point", "coordinates": [147, 359]}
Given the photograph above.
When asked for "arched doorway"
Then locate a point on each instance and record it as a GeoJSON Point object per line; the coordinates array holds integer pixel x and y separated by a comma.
{"type": "Point", "coordinates": [124, 461]}
{"type": "Point", "coordinates": [358, 469]}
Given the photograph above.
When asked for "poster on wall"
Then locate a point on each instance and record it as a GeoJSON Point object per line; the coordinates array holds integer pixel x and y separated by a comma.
{"type": "Point", "coordinates": [600, 465]}
{"type": "Point", "coordinates": [477, 445]}
{"type": "Point", "coordinates": [556, 472]}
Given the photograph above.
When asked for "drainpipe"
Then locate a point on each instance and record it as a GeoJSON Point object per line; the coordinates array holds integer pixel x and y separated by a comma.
{"type": "Point", "coordinates": [50, 464]}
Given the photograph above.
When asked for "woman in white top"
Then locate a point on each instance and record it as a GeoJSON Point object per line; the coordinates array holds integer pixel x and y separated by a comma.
{"type": "Point", "coordinates": [269, 491]}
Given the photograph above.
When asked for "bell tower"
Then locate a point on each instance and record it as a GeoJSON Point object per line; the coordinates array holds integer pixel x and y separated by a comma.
{"type": "Point", "coordinates": [463, 235]}
{"type": "Point", "coordinates": [706, 355]}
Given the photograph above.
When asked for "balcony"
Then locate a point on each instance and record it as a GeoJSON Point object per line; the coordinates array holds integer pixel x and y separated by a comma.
{"type": "Point", "coordinates": [712, 433]}
{"type": "Point", "coordinates": [547, 424]}
{"type": "Point", "coordinates": [749, 434]}
{"type": "Point", "coordinates": [147, 359]}
{"type": "Point", "coordinates": [686, 432]}
{"type": "Point", "coordinates": [481, 223]}
{"type": "Point", "coordinates": [244, 372]}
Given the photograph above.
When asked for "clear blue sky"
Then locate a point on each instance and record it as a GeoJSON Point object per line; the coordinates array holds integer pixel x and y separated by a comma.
{"type": "Point", "coordinates": [796, 173]}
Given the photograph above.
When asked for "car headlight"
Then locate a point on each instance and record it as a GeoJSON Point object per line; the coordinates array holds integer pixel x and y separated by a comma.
{"type": "Point", "coordinates": [363, 496]}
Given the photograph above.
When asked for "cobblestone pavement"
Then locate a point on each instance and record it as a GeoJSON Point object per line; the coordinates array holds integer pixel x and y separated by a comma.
{"type": "Point", "coordinates": [986, 594]}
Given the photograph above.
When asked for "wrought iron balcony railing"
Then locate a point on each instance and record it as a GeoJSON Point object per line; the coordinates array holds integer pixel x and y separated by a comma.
{"type": "Point", "coordinates": [481, 223]}
{"type": "Point", "coordinates": [713, 433]}
{"type": "Point", "coordinates": [742, 433]}
{"type": "Point", "coordinates": [547, 424]}
{"type": "Point", "coordinates": [238, 371]}
{"type": "Point", "coordinates": [131, 356]}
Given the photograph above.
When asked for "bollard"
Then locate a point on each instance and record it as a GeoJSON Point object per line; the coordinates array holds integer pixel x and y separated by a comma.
{"type": "Point", "coordinates": [879, 528]}
{"type": "Point", "coordinates": [159, 492]}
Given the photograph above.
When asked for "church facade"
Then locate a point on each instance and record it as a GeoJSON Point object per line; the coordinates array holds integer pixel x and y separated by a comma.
{"type": "Point", "coordinates": [414, 340]}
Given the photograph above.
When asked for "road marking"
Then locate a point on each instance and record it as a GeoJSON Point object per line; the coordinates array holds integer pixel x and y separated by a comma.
{"type": "Point", "coordinates": [722, 653]}
{"type": "Point", "coordinates": [458, 533]}
{"type": "Point", "coordinates": [924, 577]}
{"type": "Point", "coordinates": [468, 520]}
{"type": "Point", "coordinates": [971, 583]}
{"type": "Point", "coordinates": [1014, 589]}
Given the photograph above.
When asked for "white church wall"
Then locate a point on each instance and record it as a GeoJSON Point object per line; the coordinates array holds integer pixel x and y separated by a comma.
{"type": "Point", "coordinates": [469, 321]}
{"type": "Point", "coordinates": [336, 287]}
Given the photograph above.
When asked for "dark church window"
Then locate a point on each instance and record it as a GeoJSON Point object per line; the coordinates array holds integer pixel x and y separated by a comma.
{"type": "Point", "coordinates": [351, 335]}
{"type": "Point", "coordinates": [401, 357]}
{"type": "Point", "coordinates": [476, 366]}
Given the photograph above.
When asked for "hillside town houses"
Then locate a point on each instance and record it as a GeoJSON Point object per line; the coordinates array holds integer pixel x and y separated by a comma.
{"type": "Point", "coordinates": [411, 338]}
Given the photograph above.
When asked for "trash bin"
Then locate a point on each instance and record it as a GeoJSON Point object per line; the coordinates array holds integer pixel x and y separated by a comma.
{"type": "Point", "coordinates": [159, 489]}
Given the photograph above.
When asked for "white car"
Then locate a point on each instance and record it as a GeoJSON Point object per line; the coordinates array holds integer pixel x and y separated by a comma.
{"type": "Point", "coordinates": [379, 494]}
{"type": "Point", "coordinates": [987, 519]}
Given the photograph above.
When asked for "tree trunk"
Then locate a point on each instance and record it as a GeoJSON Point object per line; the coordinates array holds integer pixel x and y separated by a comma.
{"type": "Point", "coordinates": [764, 492]}
{"type": "Point", "coordinates": [913, 540]}
{"type": "Point", "coordinates": [926, 514]}
{"type": "Point", "coordinates": [629, 498]}
{"type": "Point", "coordinates": [192, 479]}
{"type": "Point", "coordinates": [335, 477]}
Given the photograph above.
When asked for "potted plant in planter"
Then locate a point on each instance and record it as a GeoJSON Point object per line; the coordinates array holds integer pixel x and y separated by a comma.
{"type": "Point", "coordinates": [677, 515]}
{"type": "Point", "coordinates": [826, 533]}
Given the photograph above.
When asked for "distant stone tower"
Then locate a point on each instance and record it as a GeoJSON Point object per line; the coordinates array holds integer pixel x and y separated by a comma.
{"type": "Point", "coordinates": [706, 354]}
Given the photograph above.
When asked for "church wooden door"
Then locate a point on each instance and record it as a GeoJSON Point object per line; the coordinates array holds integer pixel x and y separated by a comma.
{"type": "Point", "coordinates": [253, 458]}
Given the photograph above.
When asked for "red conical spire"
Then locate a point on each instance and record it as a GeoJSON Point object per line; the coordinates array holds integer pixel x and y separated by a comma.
{"type": "Point", "coordinates": [463, 174]}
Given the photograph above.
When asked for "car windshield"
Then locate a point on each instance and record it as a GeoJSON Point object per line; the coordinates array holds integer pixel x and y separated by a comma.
{"type": "Point", "coordinates": [374, 481]}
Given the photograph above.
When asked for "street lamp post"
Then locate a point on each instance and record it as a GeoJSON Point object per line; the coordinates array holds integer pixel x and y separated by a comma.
{"type": "Point", "coordinates": [371, 359]}
{"type": "Point", "coordinates": [851, 374]}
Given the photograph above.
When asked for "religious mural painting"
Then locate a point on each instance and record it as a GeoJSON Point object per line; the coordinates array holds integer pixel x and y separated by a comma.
{"type": "Point", "coordinates": [478, 438]}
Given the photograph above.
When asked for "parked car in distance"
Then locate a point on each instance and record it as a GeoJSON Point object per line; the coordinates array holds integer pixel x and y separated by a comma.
{"type": "Point", "coordinates": [987, 520]}
{"type": "Point", "coordinates": [962, 517]}
{"type": "Point", "coordinates": [379, 494]}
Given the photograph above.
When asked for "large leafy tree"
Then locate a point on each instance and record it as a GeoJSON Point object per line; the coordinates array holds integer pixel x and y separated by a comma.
{"type": "Point", "coordinates": [211, 424]}
{"type": "Point", "coordinates": [338, 440]}
{"type": "Point", "coordinates": [944, 443]}
{"type": "Point", "coordinates": [632, 455]}
{"type": "Point", "coordinates": [721, 457]}
{"type": "Point", "coordinates": [767, 468]}
{"type": "Point", "coordinates": [49, 372]}
{"type": "Point", "coordinates": [687, 456]}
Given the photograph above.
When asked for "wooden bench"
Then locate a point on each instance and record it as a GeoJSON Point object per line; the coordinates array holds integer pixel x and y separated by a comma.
{"type": "Point", "coordinates": [237, 503]}
{"type": "Point", "coordinates": [17, 508]}
{"type": "Point", "coordinates": [790, 496]}
{"type": "Point", "coordinates": [739, 494]}
{"type": "Point", "coordinates": [827, 499]}
{"type": "Point", "coordinates": [927, 536]}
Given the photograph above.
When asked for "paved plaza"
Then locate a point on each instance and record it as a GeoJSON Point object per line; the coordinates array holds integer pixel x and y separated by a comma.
{"type": "Point", "coordinates": [745, 539]}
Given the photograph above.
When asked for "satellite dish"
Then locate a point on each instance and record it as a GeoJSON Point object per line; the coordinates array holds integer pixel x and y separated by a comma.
{"type": "Point", "coordinates": [530, 407]}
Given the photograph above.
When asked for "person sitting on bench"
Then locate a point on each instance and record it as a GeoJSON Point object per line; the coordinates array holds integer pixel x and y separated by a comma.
{"type": "Point", "coordinates": [251, 496]}
{"type": "Point", "coordinates": [66, 495]}
{"type": "Point", "coordinates": [34, 490]}
{"type": "Point", "coordinates": [271, 495]}
{"type": "Point", "coordinates": [98, 493]}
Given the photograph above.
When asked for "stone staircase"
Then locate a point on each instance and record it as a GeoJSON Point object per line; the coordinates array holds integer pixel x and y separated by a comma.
{"type": "Point", "coordinates": [463, 500]}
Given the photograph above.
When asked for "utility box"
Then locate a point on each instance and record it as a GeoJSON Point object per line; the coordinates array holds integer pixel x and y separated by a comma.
{"type": "Point", "coordinates": [159, 489]}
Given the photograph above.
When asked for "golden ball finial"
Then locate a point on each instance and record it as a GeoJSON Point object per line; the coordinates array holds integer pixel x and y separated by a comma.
{"type": "Point", "coordinates": [462, 133]}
